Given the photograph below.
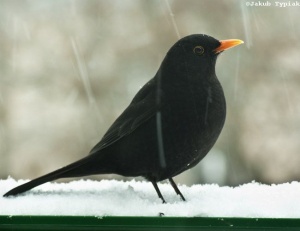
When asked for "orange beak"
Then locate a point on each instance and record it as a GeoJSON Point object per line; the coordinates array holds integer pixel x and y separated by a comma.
{"type": "Point", "coordinates": [226, 44]}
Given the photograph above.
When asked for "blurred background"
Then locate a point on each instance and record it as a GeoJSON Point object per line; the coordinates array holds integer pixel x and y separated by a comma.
{"type": "Point", "coordinates": [69, 68]}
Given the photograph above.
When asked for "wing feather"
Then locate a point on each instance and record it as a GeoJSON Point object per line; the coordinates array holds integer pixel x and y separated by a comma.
{"type": "Point", "coordinates": [140, 110]}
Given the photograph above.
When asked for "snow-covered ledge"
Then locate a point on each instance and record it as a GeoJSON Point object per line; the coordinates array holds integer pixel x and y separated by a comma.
{"type": "Point", "coordinates": [133, 198]}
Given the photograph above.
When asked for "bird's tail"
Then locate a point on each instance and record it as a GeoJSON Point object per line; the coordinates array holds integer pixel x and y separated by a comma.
{"type": "Point", "coordinates": [72, 170]}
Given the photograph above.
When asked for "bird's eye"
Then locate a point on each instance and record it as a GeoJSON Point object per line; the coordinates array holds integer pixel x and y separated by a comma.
{"type": "Point", "coordinates": [199, 50]}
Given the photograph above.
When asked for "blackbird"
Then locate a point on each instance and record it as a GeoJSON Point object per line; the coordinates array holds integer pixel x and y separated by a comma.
{"type": "Point", "coordinates": [170, 125]}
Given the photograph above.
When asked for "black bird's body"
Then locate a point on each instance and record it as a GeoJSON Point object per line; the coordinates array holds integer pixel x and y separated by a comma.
{"type": "Point", "coordinates": [170, 125]}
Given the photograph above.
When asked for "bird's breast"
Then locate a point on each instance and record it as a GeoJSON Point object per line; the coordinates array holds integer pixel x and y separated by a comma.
{"type": "Point", "coordinates": [192, 121]}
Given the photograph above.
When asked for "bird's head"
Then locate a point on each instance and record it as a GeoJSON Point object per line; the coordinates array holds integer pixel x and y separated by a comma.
{"type": "Point", "coordinates": [197, 53]}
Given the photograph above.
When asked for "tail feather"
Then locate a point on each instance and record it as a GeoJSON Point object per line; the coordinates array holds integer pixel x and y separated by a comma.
{"type": "Point", "coordinates": [29, 185]}
{"type": "Point", "coordinates": [64, 172]}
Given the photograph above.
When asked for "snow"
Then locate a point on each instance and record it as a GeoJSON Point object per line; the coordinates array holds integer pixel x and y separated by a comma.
{"type": "Point", "coordinates": [138, 198]}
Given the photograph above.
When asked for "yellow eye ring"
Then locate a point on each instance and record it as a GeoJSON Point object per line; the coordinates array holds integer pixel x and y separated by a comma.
{"type": "Point", "coordinates": [199, 50]}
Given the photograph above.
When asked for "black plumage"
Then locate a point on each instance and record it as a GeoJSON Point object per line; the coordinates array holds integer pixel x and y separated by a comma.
{"type": "Point", "coordinates": [170, 125]}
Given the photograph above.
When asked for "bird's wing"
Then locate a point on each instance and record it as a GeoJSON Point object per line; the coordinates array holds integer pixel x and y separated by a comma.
{"type": "Point", "coordinates": [141, 109]}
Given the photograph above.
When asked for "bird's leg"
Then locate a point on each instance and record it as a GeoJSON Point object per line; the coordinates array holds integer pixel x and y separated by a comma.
{"type": "Point", "coordinates": [176, 189]}
{"type": "Point", "coordinates": [158, 191]}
